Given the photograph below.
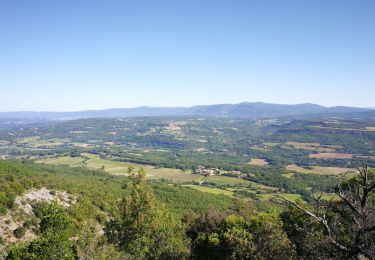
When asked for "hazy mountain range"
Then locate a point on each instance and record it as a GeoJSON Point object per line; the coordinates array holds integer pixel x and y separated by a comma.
{"type": "Point", "coordinates": [242, 110]}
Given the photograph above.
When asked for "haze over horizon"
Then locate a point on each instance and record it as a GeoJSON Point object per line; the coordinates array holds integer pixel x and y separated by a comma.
{"type": "Point", "coordinates": [146, 106]}
{"type": "Point", "coordinates": [91, 55]}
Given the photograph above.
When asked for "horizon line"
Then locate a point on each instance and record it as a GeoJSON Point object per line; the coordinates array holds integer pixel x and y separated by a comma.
{"type": "Point", "coordinates": [171, 107]}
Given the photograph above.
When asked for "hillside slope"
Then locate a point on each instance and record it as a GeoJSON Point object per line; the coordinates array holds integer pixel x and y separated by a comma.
{"type": "Point", "coordinates": [242, 110]}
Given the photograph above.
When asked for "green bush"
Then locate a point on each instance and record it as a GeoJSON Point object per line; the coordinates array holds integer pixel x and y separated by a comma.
{"type": "Point", "coordinates": [19, 232]}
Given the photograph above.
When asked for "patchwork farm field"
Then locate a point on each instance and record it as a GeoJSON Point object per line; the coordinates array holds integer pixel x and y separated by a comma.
{"type": "Point", "coordinates": [311, 147]}
{"type": "Point", "coordinates": [64, 160]}
{"type": "Point", "coordinates": [94, 162]}
{"type": "Point", "coordinates": [331, 156]}
{"type": "Point", "coordinates": [276, 197]}
{"type": "Point", "coordinates": [320, 170]}
{"type": "Point", "coordinates": [258, 162]}
{"type": "Point", "coordinates": [212, 190]}
{"type": "Point", "coordinates": [230, 181]}
{"type": "Point", "coordinates": [222, 183]}
{"type": "Point", "coordinates": [224, 180]}
{"type": "Point", "coordinates": [243, 156]}
{"type": "Point", "coordinates": [269, 196]}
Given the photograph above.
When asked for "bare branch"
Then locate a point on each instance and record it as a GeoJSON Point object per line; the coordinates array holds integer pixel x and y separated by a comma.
{"type": "Point", "coordinates": [371, 188]}
{"type": "Point", "coordinates": [322, 221]}
{"type": "Point", "coordinates": [300, 208]}
{"type": "Point", "coordinates": [355, 197]}
{"type": "Point", "coordinates": [360, 172]}
{"type": "Point", "coordinates": [351, 205]}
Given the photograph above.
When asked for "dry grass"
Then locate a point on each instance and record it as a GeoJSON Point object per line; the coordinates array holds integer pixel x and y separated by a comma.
{"type": "Point", "coordinates": [78, 132]}
{"type": "Point", "coordinates": [303, 144]}
{"type": "Point", "coordinates": [311, 147]}
{"type": "Point", "coordinates": [83, 145]}
{"type": "Point", "coordinates": [3, 142]}
{"type": "Point", "coordinates": [63, 160]}
{"type": "Point", "coordinates": [29, 139]}
{"type": "Point", "coordinates": [258, 162]}
{"type": "Point", "coordinates": [367, 157]}
{"type": "Point", "coordinates": [331, 156]}
{"type": "Point", "coordinates": [319, 170]}
{"type": "Point", "coordinates": [370, 128]}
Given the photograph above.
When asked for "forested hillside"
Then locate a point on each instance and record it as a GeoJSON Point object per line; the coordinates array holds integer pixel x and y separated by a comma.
{"type": "Point", "coordinates": [258, 110]}
{"type": "Point", "coordinates": [98, 216]}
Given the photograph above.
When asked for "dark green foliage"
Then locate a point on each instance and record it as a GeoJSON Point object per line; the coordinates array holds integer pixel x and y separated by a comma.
{"type": "Point", "coordinates": [91, 245]}
{"type": "Point", "coordinates": [13, 181]}
{"type": "Point", "coordinates": [53, 243]}
{"type": "Point", "coordinates": [96, 190]}
{"type": "Point", "coordinates": [336, 230]}
{"type": "Point", "coordinates": [54, 219]}
{"type": "Point", "coordinates": [142, 227]}
{"type": "Point", "coordinates": [97, 196]}
{"type": "Point", "coordinates": [19, 232]}
{"type": "Point", "coordinates": [216, 236]}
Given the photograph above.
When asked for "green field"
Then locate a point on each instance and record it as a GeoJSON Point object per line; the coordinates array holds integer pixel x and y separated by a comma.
{"type": "Point", "coordinates": [64, 160]}
{"type": "Point", "coordinates": [274, 196]}
{"type": "Point", "coordinates": [94, 162]}
{"type": "Point", "coordinates": [223, 180]}
{"type": "Point", "coordinates": [263, 196]}
{"type": "Point", "coordinates": [328, 196]}
{"type": "Point", "coordinates": [288, 175]}
{"type": "Point", "coordinates": [211, 190]}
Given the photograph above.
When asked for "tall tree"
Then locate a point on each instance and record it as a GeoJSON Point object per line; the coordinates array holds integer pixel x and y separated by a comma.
{"type": "Point", "coordinates": [142, 227]}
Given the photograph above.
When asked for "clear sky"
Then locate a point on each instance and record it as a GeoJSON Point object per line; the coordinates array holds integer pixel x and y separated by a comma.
{"type": "Point", "coordinates": [75, 55]}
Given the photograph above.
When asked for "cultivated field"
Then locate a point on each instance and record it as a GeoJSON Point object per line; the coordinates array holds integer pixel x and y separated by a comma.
{"type": "Point", "coordinates": [223, 180]}
{"type": "Point", "coordinates": [319, 170]}
{"type": "Point", "coordinates": [274, 197]}
{"type": "Point", "coordinates": [94, 162]}
{"type": "Point", "coordinates": [258, 162]}
{"type": "Point", "coordinates": [211, 190]}
{"type": "Point", "coordinates": [303, 144]}
{"type": "Point", "coordinates": [331, 156]}
{"type": "Point", "coordinates": [3, 142]}
{"type": "Point", "coordinates": [64, 160]}
{"type": "Point", "coordinates": [310, 147]}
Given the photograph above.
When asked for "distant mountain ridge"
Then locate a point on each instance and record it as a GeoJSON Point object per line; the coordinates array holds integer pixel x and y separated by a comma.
{"type": "Point", "coordinates": [241, 110]}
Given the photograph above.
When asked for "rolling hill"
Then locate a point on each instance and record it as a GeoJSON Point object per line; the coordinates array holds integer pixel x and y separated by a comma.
{"type": "Point", "coordinates": [242, 110]}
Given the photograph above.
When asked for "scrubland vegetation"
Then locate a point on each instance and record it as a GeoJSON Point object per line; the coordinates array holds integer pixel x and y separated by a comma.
{"type": "Point", "coordinates": [130, 218]}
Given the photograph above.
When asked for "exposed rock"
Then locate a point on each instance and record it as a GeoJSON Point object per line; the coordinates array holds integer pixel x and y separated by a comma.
{"type": "Point", "coordinates": [23, 211]}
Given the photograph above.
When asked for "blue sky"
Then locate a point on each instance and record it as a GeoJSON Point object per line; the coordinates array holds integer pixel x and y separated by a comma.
{"type": "Point", "coordinates": [74, 55]}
